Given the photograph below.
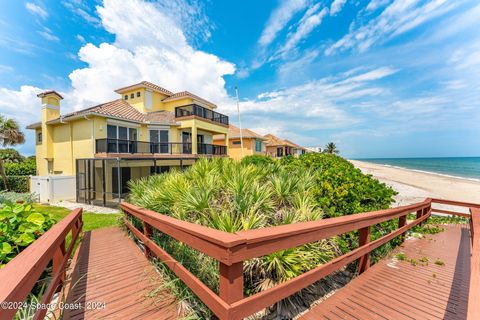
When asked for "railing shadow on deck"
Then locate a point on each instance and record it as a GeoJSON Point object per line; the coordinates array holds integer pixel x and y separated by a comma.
{"type": "Point", "coordinates": [231, 249]}
{"type": "Point", "coordinates": [76, 289]}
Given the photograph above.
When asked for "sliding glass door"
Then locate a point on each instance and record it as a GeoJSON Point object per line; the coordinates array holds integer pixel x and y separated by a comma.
{"type": "Point", "coordinates": [159, 141]}
{"type": "Point", "coordinates": [121, 139]}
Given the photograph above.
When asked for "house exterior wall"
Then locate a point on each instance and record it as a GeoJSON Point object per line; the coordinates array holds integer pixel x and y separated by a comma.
{"type": "Point", "coordinates": [62, 143]}
{"type": "Point", "coordinates": [235, 149]}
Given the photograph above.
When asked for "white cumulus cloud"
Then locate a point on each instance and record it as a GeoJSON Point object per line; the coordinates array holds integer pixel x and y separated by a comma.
{"type": "Point", "coordinates": [150, 45]}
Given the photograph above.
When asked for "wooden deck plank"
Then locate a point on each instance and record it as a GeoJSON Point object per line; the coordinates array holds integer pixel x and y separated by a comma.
{"type": "Point", "coordinates": [110, 268]}
{"type": "Point", "coordinates": [394, 289]}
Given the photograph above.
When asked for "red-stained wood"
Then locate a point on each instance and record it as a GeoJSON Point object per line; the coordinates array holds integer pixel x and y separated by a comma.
{"type": "Point", "coordinates": [474, 292]}
{"type": "Point", "coordinates": [264, 241]}
{"type": "Point", "coordinates": [231, 282]}
{"type": "Point", "coordinates": [393, 289]}
{"type": "Point", "coordinates": [258, 301]}
{"type": "Point", "coordinates": [213, 301]}
{"type": "Point", "coordinates": [454, 213]}
{"type": "Point", "coordinates": [19, 276]}
{"type": "Point", "coordinates": [232, 249]}
{"type": "Point", "coordinates": [207, 240]}
{"type": "Point", "coordinates": [111, 269]}
{"type": "Point", "coordinates": [456, 203]}
{"type": "Point", "coordinates": [402, 221]}
{"type": "Point", "coordinates": [363, 239]}
{"type": "Point", "coordinates": [147, 232]}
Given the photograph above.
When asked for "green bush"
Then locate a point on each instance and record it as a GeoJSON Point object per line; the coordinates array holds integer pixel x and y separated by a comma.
{"type": "Point", "coordinates": [25, 168]}
{"type": "Point", "coordinates": [19, 184]}
{"type": "Point", "coordinates": [20, 225]}
{"type": "Point", "coordinates": [11, 155]}
{"type": "Point", "coordinates": [257, 160]}
{"type": "Point", "coordinates": [342, 189]}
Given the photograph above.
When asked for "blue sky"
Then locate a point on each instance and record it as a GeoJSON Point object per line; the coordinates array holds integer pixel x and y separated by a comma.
{"type": "Point", "coordinates": [381, 78]}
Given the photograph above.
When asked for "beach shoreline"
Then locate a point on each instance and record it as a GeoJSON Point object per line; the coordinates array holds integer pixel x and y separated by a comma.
{"type": "Point", "coordinates": [416, 185]}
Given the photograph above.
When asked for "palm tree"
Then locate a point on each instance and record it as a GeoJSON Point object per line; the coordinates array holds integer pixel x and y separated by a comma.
{"type": "Point", "coordinates": [10, 135]}
{"type": "Point", "coordinates": [331, 148]}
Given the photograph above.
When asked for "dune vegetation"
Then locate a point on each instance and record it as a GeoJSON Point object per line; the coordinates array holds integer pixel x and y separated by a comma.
{"type": "Point", "coordinates": [255, 193]}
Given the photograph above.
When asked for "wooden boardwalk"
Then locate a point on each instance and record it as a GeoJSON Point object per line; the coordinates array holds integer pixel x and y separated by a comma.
{"type": "Point", "coordinates": [398, 290]}
{"type": "Point", "coordinates": [111, 269]}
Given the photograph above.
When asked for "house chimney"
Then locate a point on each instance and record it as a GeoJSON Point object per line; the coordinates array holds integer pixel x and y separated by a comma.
{"type": "Point", "coordinates": [50, 111]}
{"type": "Point", "coordinates": [50, 105]}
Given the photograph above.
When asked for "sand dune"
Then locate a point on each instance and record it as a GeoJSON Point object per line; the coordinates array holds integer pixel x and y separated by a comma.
{"type": "Point", "coordinates": [414, 186]}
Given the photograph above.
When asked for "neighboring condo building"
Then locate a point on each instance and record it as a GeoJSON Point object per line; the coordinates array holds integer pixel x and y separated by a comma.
{"type": "Point", "coordinates": [253, 143]}
{"type": "Point", "coordinates": [147, 130]}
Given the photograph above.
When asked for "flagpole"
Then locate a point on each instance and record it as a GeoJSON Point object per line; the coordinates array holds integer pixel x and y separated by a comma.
{"type": "Point", "coordinates": [239, 121]}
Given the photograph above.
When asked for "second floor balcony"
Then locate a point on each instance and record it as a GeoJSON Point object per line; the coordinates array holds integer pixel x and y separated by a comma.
{"type": "Point", "coordinates": [202, 112]}
{"type": "Point", "coordinates": [120, 146]}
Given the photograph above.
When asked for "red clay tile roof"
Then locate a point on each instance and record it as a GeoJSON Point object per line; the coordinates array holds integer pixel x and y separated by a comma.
{"type": "Point", "coordinates": [116, 109]}
{"type": "Point", "coordinates": [164, 117]}
{"type": "Point", "coordinates": [295, 145]}
{"type": "Point", "coordinates": [186, 94]}
{"type": "Point", "coordinates": [43, 94]}
{"type": "Point", "coordinates": [145, 84]}
{"type": "Point", "coordinates": [234, 133]}
{"type": "Point", "coordinates": [273, 141]}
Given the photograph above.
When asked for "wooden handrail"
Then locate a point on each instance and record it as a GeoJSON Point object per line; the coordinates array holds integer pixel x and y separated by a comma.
{"type": "Point", "coordinates": [19, 275]}
{"type": "Point", "coordinates": [474, 290]}
{"type": "Point", "coordinates": [231, 249]}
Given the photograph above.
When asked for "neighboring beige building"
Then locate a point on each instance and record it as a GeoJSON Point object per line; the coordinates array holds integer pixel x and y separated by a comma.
{"type": "Point", "coordinates": [148, 129]}
{"type": "Point", "coordinates": [277, 147]}
{"type": "Point", "coordinates": [253, 143]}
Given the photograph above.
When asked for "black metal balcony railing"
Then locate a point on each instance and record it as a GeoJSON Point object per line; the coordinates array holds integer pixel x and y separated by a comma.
{"type": "Point", "coordinates": [204, 148]}
{"type": "Point", "coordinates": [196, 110]}
{"type": "Point", "coordinates": [142, 147]}
{"type": "Point", "coordinates": [130, 146]}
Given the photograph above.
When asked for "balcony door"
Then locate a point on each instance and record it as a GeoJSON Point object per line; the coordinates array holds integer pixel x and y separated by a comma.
{"type": "Point", "coordinates": [121, 139]}
{"type": "Point", "coordinates": [187, 142]}
{"type": "Point", "coordinates": [159, 141]}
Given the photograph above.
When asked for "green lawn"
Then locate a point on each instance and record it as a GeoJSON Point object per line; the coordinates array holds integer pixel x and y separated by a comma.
{"type": "Point", "coordinates": [90, 220]}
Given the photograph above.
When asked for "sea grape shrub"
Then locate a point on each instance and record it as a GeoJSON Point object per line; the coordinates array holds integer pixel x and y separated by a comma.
{"type": "Point", "coordinates": [20, 225]}
{"type": "Point", "coordinates": [342, 189]}
{"type": "Point", "coordinates": [257, 159]}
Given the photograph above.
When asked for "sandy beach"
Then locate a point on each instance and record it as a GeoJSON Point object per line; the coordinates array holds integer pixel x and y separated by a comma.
{"type": "Point", "coordinates": [413, 186]}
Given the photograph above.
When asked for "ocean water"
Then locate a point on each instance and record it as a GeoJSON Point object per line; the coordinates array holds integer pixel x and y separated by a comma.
{"type": "Point", "coordinates": [464, 167]}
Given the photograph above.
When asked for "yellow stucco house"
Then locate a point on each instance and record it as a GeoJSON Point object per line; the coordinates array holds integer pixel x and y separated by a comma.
{"type": "Point", "coordinates": [253, 143]}
{"type": "Point", "coordinates": [148, 129]}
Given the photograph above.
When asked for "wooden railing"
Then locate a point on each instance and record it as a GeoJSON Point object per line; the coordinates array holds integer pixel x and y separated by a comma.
{"type": "Point", "coordinates": [20, 275]}
{"type": "Point", "coordinates": [231, 249]}
{"type": "Point", "coordinates": [474, 291]}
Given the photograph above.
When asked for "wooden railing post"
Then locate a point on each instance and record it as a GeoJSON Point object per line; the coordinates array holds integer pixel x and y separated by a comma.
{"type": "Point", "coordinates": [147, 231]}
{"type": "Point", "coordinates": [364, 238]}
{"type": "Point", "coordinates": [402, 221]}
{"type": "Point", "coordinates": [231, 282]}
{"type": "Point", "coordinates": [57, 262]}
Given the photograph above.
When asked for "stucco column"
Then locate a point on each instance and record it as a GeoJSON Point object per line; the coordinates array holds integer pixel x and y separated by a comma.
{"type": "Point", "coordinates": [226, 142]}
{"type": "Point", "coordinates": [194, 139]}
